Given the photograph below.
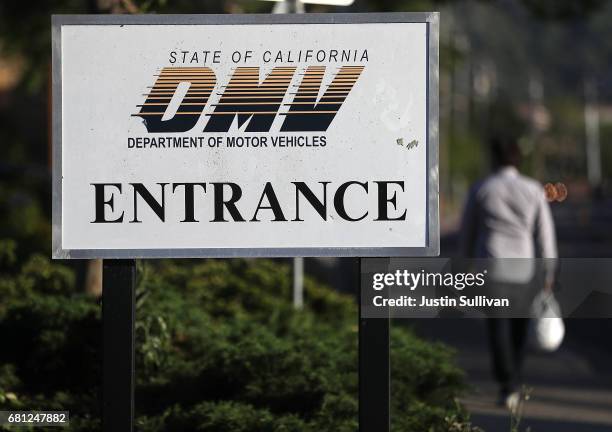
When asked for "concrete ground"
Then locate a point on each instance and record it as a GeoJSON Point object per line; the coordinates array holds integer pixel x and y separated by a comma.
{"type": "Point", "coordinates": [571, 390]}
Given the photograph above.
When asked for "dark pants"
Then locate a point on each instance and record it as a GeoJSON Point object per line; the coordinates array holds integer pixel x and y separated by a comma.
{"type": "Point", "coordinates": [508, 340]}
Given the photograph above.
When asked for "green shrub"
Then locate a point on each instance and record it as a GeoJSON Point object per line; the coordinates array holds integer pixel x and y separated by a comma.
{"type": "Point", "coordinates": [219, 348]}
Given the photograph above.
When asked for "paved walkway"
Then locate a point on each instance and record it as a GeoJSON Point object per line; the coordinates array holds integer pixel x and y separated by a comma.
{"type": "Point", "coordinates": [571, 389]}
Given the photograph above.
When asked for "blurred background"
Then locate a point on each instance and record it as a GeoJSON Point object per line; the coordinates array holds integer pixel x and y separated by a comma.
{"type": "Point", "coordinates": [237, 356]}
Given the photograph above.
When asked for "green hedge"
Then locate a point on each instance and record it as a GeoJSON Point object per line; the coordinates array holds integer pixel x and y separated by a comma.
{"type": "Point", "coordinates": [219, 348]}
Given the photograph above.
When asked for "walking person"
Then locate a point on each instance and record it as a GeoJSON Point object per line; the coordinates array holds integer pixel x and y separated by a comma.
{"type": "Point", "coordinates": [507, 216]}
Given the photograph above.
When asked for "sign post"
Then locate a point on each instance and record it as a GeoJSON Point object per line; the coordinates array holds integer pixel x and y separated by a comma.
{"type": "Point", "coordinates": [216, 136]}
{"type": "Point", "coordinates": [374, 370]}
{"type": "Point", "coordinates": [118, 316]}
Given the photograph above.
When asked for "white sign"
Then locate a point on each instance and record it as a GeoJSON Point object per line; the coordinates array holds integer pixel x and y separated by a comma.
{"type": "Point", "coordinates": [245, 135]}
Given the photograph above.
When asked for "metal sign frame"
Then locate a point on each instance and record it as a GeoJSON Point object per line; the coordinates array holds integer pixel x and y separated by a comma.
{"type": "Point", "coordinates": [432, 228]}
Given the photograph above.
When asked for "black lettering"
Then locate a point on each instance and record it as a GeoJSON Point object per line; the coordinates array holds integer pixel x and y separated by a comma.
{"type": "Point", "coordinates": [268, 193]}
{"type": "Point", "coordinates": [100, 203]}
{"type": "Point", "coordinates": [339, 200]}
{"type": "Point", "coordinates": [189, 199]}
{"type": "Point", "coordinates": [248, 100]}
{"type": "Point", "coordinates": [384, 200]}
{"type": "Point", "coordinates": [189, 111]}
{"type": "Point", "coordinates": [158, 208]}
{"type": "Point", "coordinates": [312, 115]}
{"type": "Point", "coordinates": [319, 206]}
{"type": "Point", "coordinates": [229, 204]}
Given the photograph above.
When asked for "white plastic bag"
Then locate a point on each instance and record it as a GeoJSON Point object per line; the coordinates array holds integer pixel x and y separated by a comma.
{"type": "Point", "coordinates": [547, 328]}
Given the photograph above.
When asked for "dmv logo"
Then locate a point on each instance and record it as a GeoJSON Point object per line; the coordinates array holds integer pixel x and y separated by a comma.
{"type": "Point", "coordinates": [248, 99]}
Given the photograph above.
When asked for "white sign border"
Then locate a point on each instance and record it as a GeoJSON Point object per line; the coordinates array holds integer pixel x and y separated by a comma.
{"type": "Point", "coordinates": [432, 19]}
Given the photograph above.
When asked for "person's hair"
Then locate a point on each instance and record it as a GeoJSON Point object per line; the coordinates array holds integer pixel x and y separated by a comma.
{"type": "Point", "coordinates": [505, 150]}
